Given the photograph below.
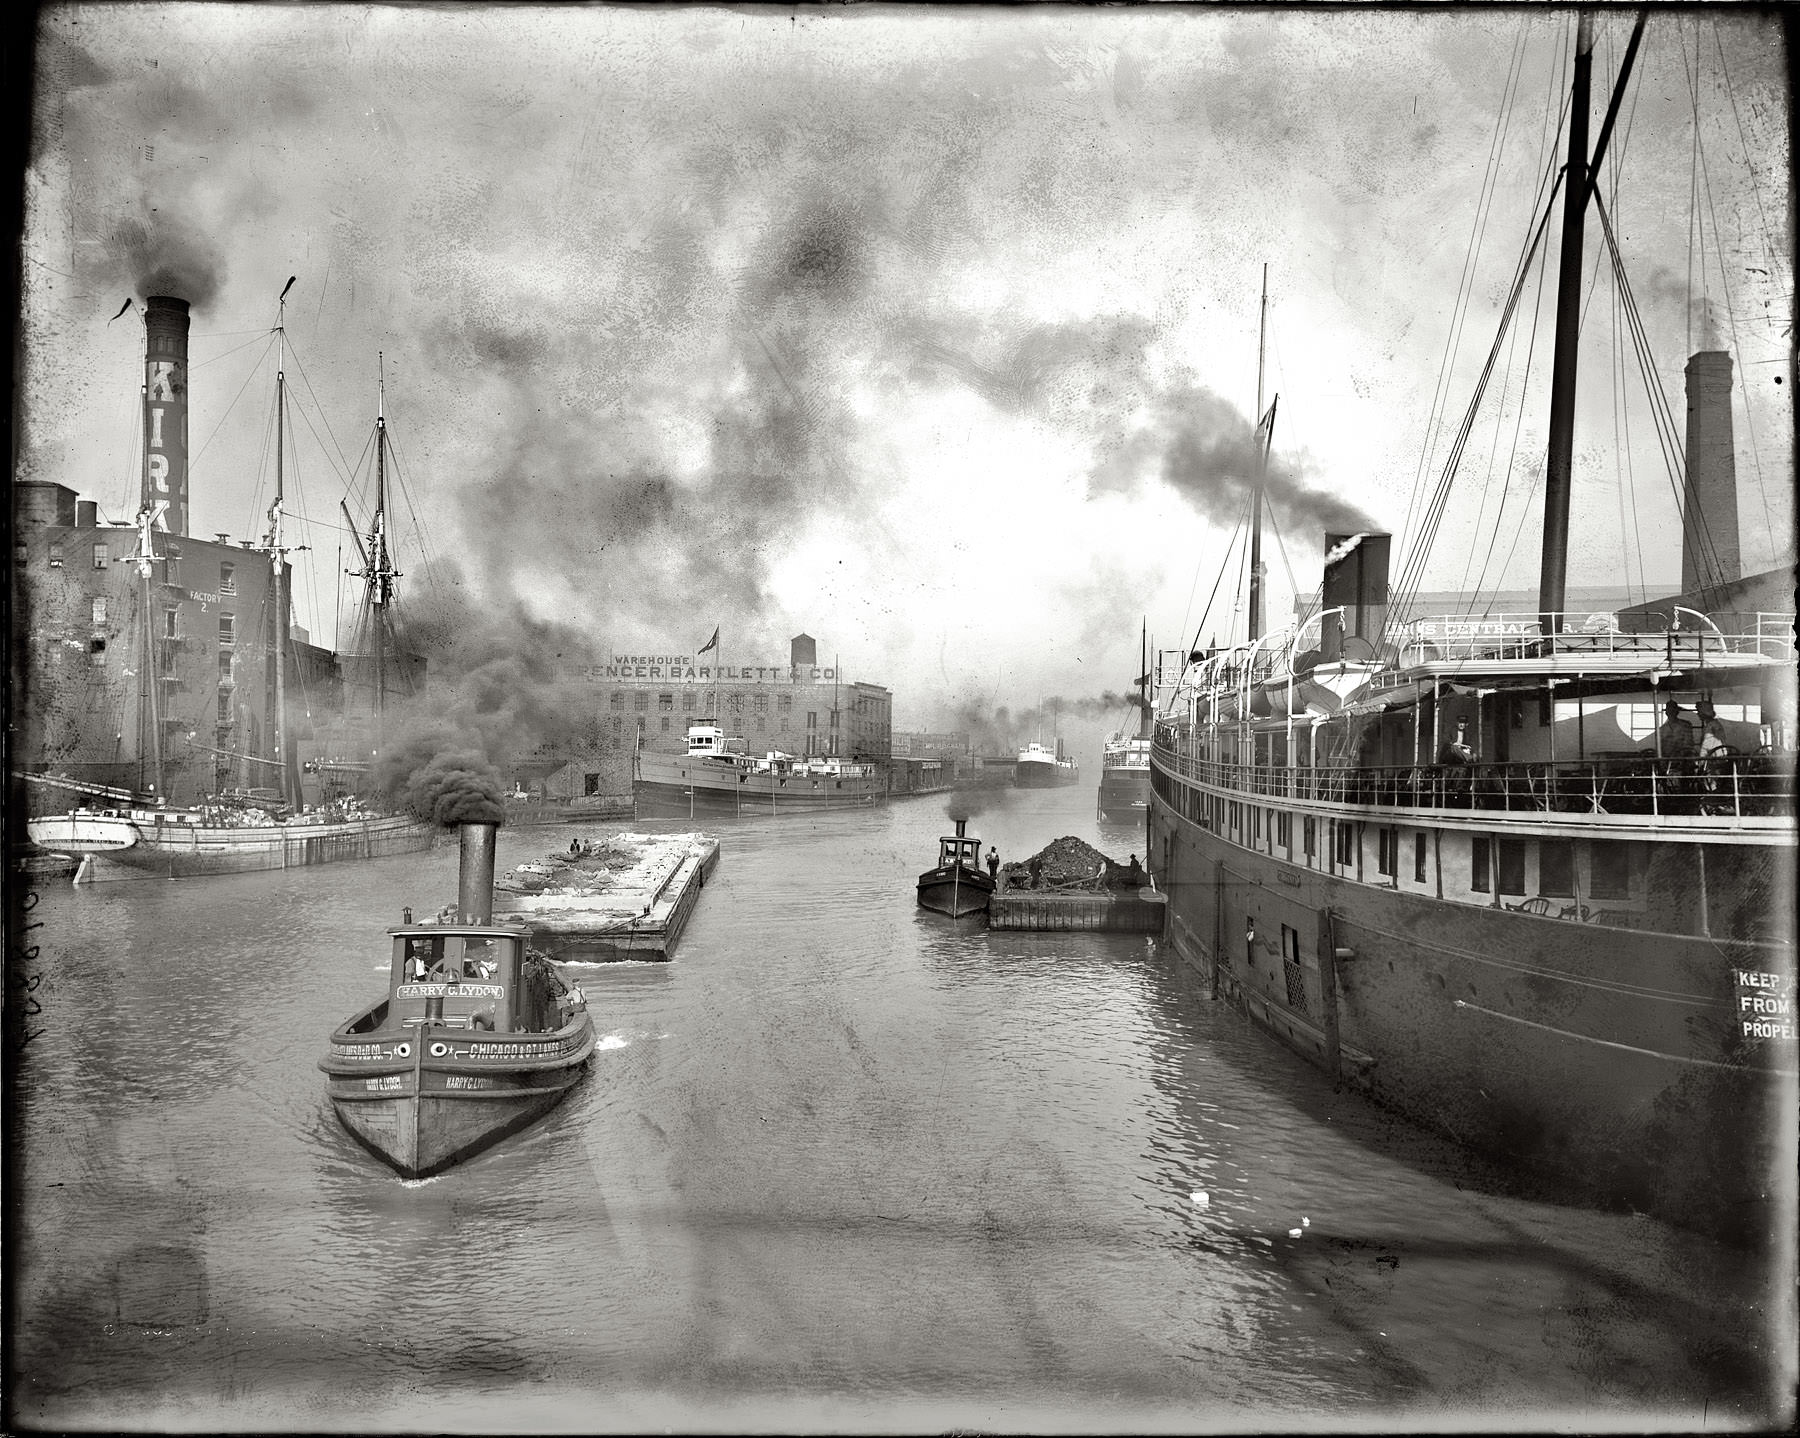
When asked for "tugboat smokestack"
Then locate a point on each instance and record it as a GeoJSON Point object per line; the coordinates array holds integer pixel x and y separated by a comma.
{"type": "Point", "coordinates": [960, 825]}
{"type": "Point", "coordinates": [475, 875]}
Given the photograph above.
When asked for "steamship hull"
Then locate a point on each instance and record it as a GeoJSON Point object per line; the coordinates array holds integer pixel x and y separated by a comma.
{"type": "Point", "coordinates": [183, 851]}
{"type": "Point", "coordinates": [1607, 1059]}
{"type": "Point", "coordinates": [1042, 774]}
{"type": "Point", "coordinates": [1124, 792]}
{"type": "Point", "coordinates": [446, 1096]}
{"type": "Point", "coordinates": [669, 786]}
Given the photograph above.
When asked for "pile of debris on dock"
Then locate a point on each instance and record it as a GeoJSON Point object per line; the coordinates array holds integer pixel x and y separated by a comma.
{"type": "Point", "coordinates": [1070, 866]}
{"type": "Point", "coordinates": [618, 896]}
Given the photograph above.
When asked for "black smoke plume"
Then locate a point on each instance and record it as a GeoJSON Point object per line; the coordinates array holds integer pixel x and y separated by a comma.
{"type": "Point", "coordinates": [429, 775]}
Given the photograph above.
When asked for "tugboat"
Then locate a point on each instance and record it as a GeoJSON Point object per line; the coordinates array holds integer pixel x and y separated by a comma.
{"type": "Point", "coordinates": [476, 1037]}
{"type": "Point", "coordinates": [956, 886]}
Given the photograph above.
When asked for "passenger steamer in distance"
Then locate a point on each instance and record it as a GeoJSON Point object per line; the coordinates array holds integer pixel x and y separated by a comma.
{"type": "Point", "coordinates": [1455, 862]}
{"type": "Point", "coordinates": [713, 781]}
{"type": "Point", "coordinates": [1042, 768]}
{"type": "Point", "coordinates": [229, 832]}
{"type": "Point", "coordinates": [1125, 759]}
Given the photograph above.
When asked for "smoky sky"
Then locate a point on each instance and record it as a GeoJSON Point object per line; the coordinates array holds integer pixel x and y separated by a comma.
{"type": "Point", "coordinates": [941, 348]}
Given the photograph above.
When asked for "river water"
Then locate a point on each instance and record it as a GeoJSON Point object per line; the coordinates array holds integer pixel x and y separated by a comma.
{"type": "Point", "coordinates": [842, 1164]}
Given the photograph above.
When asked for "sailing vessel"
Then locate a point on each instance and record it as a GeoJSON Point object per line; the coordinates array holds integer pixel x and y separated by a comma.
{"type": "Point", "coordinates": [1450, 860]}
{"type": "Point", "coordinates": [476, 1037]}
{"type": "Point", "coordinates": [1125, 757]}
{"type": "Point", "coordinates": [957, 885]}
{"type": "Point", "coordinates": [1044, 768]}
{"type": "Point", "coordinates": [229, 832]}
{"type": "Point", "coordinates": [712, 780]}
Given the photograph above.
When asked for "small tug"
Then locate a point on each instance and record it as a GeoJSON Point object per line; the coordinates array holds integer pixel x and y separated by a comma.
{"type": "Point", "coordinates": [477, 1036]}
{"type": "Point", "coordinates": [957, 886]}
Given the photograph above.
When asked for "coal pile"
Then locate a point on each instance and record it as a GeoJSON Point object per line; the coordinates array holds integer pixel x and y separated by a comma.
{"type": "Point", "coordinates": [1070, 865]}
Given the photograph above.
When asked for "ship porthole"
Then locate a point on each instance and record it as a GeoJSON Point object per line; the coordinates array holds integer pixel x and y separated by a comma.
{"type": "Point", "coordinates": [402, 1051]}
{"type": "Point", "coordinates": [439, 1050]}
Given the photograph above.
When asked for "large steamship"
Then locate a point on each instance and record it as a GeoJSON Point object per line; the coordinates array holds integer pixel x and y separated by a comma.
{"type": "Point", "coordinates": [1525, 878]}
{"type": "Point", "coordinates": [713, 781]}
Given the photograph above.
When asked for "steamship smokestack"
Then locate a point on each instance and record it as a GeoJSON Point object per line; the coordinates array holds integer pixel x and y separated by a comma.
{"type": "Point", "coordinates": [1356, 578]}
{"type": "Point", "coordinates": [166, 409]}
{"type": "Point", "coordinates": [1709, 517]}
{"type": "Point", "coordinates": [475, 873]}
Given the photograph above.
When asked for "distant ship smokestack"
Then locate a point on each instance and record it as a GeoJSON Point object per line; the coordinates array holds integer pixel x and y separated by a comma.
{"type": "Point", "coordinates": [166, 409]}
{"type": "Point", "coordinates": [1709, 517]}
{"type": "Point", "coordinates": [475, 873]}
{"type": "Point", "coordinates": [1356, 578]}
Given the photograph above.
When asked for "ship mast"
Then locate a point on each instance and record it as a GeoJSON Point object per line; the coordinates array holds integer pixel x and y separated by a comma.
{"type": "Point", "coordinates": [1579, 176]}
{"type": "Point", "coordinates": [1262, 467]}
{"type": "Point", "coordinates": [278, 561]}
{"type": "Point", "coordinates": [378, 554]}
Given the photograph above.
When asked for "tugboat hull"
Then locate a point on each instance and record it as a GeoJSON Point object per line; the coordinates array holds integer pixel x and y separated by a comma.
{"type": "Point", "coordinates": [956, 894]}
{"type": "Point", "coordinates": [442, 1107]}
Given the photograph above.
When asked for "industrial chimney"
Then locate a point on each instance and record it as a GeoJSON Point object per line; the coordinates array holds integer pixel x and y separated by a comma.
{"type": "Point", "coordinates": [1356, 579]}
{"type": "Point", "coordinates": [1709, 517]}
{"type": "Point", "coordinates": [166, 410]}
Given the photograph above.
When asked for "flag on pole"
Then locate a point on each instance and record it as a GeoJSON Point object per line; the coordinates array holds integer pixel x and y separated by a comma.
{"type": "Point", "coordinates": [712, 643]}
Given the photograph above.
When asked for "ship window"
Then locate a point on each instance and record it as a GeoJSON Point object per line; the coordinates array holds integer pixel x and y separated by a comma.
{"type": "Point", "coordinates": [1345, 841]}
{"type": "Point", "coordinates": [1387, 857]}
{"type": "Point", "coordinates": [1479, 863]}
{"type": "Point", "coordinates": [1611, 871]}
{"type": "Point", "coordinates": [227, 629]}
{"type": "Point", "coordinates": [1509, 866]}
{"type": "Point", "coordinates": [100, 610]}
{"type": "Point", "coordinates": [1419, 857]}
{"type": "Point", "coordinates": [665, 704]}
{"type": "Point", "coordinates": [101, 557]}
{"type": "Point", "coordinates": [1284, 830]}
{"type": "Point", "coordinates": [618, 699]}
{"type": "Point", "coordinates": [1556, 867]}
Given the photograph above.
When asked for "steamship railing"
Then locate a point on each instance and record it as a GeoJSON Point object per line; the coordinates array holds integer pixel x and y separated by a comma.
{"type": "Point", "coordinates": [1722, 785]}
{"type": "Point", "coordinates": [1678, 634]}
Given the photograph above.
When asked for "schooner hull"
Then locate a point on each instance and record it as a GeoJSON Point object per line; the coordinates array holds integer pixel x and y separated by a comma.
{"type": "Point", "coordinates": [1608, 1057]}
{"type": "Point", "coordinates": [184, 851]}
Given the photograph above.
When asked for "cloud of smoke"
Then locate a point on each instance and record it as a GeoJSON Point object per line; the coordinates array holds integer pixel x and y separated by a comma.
{"type": "Point", "coordinates": [427, 774]}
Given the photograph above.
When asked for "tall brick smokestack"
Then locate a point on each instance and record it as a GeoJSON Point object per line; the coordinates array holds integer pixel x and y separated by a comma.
{"type": "Point", "coordinates": [1709, 516]}
{"type": "Point", "coordinates": [166, 409]}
